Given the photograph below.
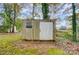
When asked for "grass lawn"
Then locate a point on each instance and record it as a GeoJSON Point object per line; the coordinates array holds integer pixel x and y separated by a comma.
{"type": "Point", "coordinates": [55, 51]}
{"type": "Point", "coordinates": [7, 47]}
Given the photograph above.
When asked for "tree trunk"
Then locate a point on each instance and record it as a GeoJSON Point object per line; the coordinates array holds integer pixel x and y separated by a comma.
{"type": "Point", "coordinates": [45, 11]}
{"type": "Point", "coordinates": [13, 29]}
{"type": "Point", "coordinates": [74, 22]}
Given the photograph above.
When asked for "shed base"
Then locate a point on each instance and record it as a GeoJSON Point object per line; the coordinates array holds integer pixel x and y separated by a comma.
{"type": "Point", "coordinates": [41, 40]}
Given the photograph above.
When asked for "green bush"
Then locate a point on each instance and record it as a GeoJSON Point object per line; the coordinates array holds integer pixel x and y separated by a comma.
{"type": "Point", "coordinates": [67, 35]}
{"type": "Point", "coordinates": [19, 24]}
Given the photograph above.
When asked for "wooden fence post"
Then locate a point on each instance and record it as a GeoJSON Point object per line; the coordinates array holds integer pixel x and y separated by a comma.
{"type": "Point", "coordinates": [54, 30]}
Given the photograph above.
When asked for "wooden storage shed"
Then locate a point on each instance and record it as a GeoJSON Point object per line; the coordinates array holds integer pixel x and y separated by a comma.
{"type": "Point", "coordinates": [39, 30]}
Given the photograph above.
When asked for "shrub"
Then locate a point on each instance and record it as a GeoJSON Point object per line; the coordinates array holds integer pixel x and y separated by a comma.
{"type": "Point", "coordinates": [3, 28]}
{"type": "Point", "coordinates": [19, 24]}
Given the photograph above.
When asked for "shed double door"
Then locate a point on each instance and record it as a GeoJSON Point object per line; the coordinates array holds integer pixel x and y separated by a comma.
{"type": "Point", "coordinates": [46, 30]}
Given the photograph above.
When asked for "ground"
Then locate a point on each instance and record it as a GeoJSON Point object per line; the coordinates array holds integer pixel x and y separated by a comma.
{"type": "Point", "coordinates": [11, 44]}
{"type": "Point", "coordinates": [41, 46]}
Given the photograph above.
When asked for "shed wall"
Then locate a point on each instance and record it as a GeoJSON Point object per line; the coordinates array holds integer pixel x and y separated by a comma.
{"type": "Point", "coordinates": [32, 33]}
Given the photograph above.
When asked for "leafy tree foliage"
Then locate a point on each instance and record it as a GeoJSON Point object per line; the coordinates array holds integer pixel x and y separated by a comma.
{"type": "Point", "coordinates": [45, 10]}
{"type": "Point", "coordinates": [9, 16]}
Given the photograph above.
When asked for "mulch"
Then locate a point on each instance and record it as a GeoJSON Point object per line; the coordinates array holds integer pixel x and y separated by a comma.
{"type": "Point", "coordinates": [70, 47]}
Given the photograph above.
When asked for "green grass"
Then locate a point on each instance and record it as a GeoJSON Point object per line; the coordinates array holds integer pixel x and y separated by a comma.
{"type": "Point", "coordinates": [7, 47]}
{"type": "Point", "coordinates": [55, 51]}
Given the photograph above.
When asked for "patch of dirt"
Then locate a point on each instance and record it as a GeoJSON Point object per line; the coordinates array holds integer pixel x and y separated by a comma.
{"type": "Point", "coordinates": [42, 46]}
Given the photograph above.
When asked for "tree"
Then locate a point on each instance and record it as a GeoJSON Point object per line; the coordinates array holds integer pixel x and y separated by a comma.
{"type": "Point", "coordinates": [16, 9]}
{"type": "Point", "coordinates": [6, 15]}
{"type": "Point", "coordinates": [74, 22]}
{"type": "Point", "coordinates": [36, 11]}
{"type": "Point", "coordinates": [10, 14]}
{"type": "Point", "coordinates": [33, 11]}
{"type": "Point", "coordinates": [45, 10]}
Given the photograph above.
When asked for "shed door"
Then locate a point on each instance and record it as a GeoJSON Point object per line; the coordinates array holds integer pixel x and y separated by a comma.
{"type": "Point", "coordinates": [46, 30]}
